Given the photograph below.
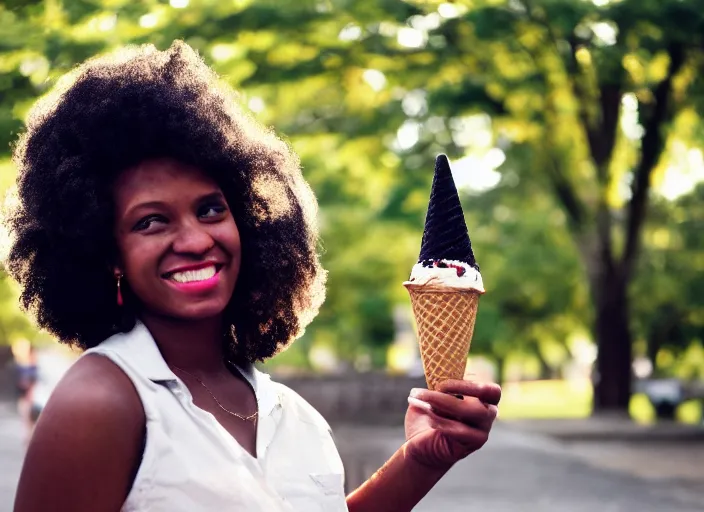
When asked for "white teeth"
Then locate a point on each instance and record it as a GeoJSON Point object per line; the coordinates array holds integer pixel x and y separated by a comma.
{"type": "Point", "coordinates": [190, 276]}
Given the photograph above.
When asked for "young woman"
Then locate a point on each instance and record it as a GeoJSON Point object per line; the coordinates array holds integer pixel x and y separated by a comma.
{"type": "Point", "coordinates": [163, 230]}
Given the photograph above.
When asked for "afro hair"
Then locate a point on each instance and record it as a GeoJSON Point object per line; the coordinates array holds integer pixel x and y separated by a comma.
{"type": "Point", "coordinates": [113, 112]}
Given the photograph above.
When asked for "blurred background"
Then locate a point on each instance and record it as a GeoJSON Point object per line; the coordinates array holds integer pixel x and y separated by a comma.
{"type": "Point", "coordinates": [574, 131]}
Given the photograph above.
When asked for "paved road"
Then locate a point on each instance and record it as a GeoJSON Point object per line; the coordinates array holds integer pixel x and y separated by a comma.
{"type": "Point", "coordinates": [11, 450]}
{"type": "Point", "coordinates": [520, 472]}
{"type": "Point", "coordinates": [514, 472]}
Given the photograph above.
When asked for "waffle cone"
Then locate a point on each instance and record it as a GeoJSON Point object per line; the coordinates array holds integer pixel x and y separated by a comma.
{"type": "Point", "coordinates": [445, 318]}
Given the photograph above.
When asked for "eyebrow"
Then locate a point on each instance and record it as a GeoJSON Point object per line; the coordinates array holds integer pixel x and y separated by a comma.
{"type": "Point", "coordinates": [217, 195]}
{"type": "Point", "coordinates": [211, 197]}
{"type": "Point", "coordinates": [148, 204]}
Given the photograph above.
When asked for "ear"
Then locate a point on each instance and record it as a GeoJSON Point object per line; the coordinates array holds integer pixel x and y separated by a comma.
{"type": "Point", "coordinates": [116, 267]}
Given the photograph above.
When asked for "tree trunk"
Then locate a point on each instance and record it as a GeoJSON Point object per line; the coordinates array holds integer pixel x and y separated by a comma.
{"type": "Point", "coordinates": [546, 371]}
{"type": "Point", "coordinates": [612, 379]}
{"type": "Point", "coordinates": [500, 369]}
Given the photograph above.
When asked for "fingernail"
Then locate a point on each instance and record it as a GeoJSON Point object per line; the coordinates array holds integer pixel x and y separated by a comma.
{"type": "Point", "coordinates": [459, 397]}
{"type": "Point", "coordinates": [495, 410]}
{"type": "Point", "coordinates": [415, 392]}
{"type": "Point", "coordinates": [420, 404]}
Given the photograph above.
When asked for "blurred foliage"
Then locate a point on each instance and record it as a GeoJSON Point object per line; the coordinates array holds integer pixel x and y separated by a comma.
{"type": "Point", "coordinates": [562, 399]}
{"type": "Point", "coordinates": [582, 101]}
{"type": "Point", "coordinates": [668, 299]}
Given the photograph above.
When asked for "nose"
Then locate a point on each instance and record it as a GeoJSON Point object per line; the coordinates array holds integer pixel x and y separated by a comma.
{"type": "Point", "coordinates": [192, 238]}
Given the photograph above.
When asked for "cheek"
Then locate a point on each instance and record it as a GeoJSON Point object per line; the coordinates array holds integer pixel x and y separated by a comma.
{"type": "Point", "coordinates": [139, 257]}
{"type": "Point", "coordinates": [229, 237]}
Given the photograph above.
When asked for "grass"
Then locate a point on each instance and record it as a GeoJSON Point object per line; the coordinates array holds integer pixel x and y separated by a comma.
{"type": "Point", "coordinates": [566, 399]}
{"type": "Point", "coordinates": [545, 399]}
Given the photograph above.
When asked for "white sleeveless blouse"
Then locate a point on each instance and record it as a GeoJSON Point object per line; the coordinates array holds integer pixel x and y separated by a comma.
{"type": "Point", "coordinates": [191, 463]}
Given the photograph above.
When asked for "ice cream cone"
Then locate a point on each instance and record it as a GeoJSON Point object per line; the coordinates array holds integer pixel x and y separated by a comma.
{"type": "Point", "coordinates": [445, 284]}
{"type": "Point", "coordinates": [445, 318]}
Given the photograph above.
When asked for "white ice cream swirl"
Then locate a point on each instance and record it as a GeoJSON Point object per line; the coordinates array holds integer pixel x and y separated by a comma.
{"type": "Point", "coordinates": [451, 273]}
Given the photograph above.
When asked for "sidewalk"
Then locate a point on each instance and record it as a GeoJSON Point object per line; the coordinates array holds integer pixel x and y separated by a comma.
{"type": "Point", "coordinates": [517, 471]}
{"type": "Point", "coordinates": [11, 454]}
{"type": "Point", "coordinates": [666, 451]}
{"type": "Point", "coordinates": [525, 472]}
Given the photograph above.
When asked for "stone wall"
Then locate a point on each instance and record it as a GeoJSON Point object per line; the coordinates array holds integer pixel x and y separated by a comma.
{"type": "Point", "coordinates": [7, 374]}
{"type": "Point", "coordinates": [365, 398]}
{"type": "Point", "coordinates": [366, 412]}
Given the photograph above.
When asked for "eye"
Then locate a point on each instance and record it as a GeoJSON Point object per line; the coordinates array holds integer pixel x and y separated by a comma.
{"type": "Point", "coordinates": [147, 222]}
{"type": "Point", "coordinates": [212, 211]}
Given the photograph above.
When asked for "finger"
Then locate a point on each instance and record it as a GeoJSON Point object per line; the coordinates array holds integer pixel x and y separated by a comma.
{"type": "Point", "coordinates": [462, 434]}
{"type": "Point", "coordinates": [488, 392]}
{"type": "Point", "coordinates": [465, 435]}
{"type": "Point", "coordinates": [470, 410]}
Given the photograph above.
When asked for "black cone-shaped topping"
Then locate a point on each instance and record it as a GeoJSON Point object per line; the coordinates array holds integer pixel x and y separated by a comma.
{"type": "Point", "coordinates": [445, 235]}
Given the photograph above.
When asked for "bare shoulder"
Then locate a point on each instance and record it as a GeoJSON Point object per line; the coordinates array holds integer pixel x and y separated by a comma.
{"type": "Point", "coordinates": [87, 442]}
{"type": "Point", "coordinates": [95, 392]}
{"type": "Point", "coordinates": [95, 378]}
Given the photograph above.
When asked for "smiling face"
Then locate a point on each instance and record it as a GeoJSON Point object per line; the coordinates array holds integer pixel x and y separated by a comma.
{"type": "Point", "coordinates": [179, 247]}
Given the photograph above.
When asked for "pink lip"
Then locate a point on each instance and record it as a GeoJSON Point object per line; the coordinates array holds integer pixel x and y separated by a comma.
{"type": "Point", "coordinates": [197, 286]}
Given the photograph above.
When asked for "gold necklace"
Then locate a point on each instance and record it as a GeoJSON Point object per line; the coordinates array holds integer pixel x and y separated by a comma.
{"type": "Point", "coordinates": [252, 417]}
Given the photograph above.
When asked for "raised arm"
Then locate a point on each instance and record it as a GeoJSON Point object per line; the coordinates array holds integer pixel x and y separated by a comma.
{"type": "Point", "coordinates": [87, 444]}
{"type": "Point", "coordinates": [441, 429]}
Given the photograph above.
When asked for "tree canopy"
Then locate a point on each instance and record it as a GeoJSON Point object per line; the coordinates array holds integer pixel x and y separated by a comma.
{"type": "Point", "coordinates": [565, 120]}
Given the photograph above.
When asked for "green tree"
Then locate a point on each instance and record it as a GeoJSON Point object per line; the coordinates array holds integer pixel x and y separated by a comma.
{"type": "Point", "coordinates": [537, 297]}
{"type": "Point", "coordinates": [668, 294]}
{"type": "Point", "coordinates": [561, 77]}
{"type": "Point", "coordinates": [588, 66]}
{"type": "Point", "coordinates": [583, 100]}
